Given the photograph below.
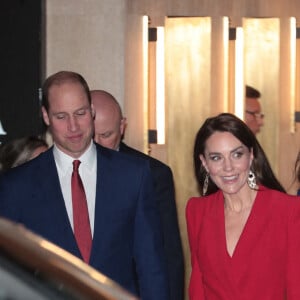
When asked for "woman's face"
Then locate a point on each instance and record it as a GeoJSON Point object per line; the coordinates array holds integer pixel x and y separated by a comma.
{"type": "Point", "coordinates": [227, 161]}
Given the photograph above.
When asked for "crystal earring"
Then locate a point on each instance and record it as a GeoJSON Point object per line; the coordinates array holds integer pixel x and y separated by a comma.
{"type": "Point", "coordinates": [205, 184]}
{"type": "Point", "coordinates": [251, 180]}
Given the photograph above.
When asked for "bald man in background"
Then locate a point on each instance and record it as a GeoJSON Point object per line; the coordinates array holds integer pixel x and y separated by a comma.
{"type": "Point", "coordinates": [109, 130]}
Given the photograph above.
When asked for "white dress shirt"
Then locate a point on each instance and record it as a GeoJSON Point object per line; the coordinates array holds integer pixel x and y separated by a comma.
{"type": "Point", "coordinates": [88, 174]}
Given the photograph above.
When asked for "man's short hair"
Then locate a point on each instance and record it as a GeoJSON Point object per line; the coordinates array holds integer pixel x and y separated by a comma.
{"type": "Point", "coordinates": [251, 92]}
{"type": "Point", "coordinates": [62, 77]}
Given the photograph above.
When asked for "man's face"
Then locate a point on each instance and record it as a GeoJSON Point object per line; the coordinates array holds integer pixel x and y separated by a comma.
{"type": "Point", "coordinates": [70, 118]}
{"type": "Point", "coordinates": [109, 128]}
{"type": "Point", "coordinates": [253, 116]}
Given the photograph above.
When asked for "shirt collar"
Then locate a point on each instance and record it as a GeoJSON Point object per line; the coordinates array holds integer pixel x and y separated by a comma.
{"type": "Point", "coordinates": [64, 161]}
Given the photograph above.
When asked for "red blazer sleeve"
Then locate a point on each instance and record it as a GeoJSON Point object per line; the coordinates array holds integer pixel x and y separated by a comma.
{"type": "Point", "coordinates": [193, 219]}
{"type": "Point", "coordinates": [293, 258]}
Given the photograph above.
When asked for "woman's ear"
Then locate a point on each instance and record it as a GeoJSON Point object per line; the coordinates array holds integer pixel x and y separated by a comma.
{"type": "Point", "coordinates": [251, 156]}
{"type": "Point", "coordinates": [203, 160]}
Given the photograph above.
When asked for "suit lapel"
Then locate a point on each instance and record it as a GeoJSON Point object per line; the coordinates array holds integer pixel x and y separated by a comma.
{"type": "Point", "coordinates": [55, 212]}
{"type": "Point", "coordinates": [103, 186]}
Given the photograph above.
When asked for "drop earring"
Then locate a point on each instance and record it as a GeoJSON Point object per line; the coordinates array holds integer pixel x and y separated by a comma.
{"type": "Point", "coordinates": [205, 184]}
{"type": "Point", "coordinates": [251, 180]}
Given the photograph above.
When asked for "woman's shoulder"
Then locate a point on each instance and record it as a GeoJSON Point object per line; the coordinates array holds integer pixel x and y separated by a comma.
{"type": "Point", "coordinates": [204, 202]}
{"type": "Point", "coordinates": [200, 208]}
{"type": "Point", "coordinates": [271, 193]}
{"type": "Point", "coordinates": [278, 199]}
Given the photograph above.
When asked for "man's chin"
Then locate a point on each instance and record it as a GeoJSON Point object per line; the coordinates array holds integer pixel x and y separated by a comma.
{"type": "Point", "coordinates": [75, 150]}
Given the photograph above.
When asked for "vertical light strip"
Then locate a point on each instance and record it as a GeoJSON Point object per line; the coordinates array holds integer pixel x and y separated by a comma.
{"type": "Point", "coordinates": [160, 86]}
{"type": "Point", "coordinates": [225, 25]}
{"type": "Point", "coordinates": [145, 81]}
{"type": "Point", "coordinates": [293, 72]}
{"type": "Point", "coordinates": [239, 74]}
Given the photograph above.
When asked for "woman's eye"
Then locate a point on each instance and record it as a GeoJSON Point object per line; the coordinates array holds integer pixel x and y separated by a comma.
{"type": "Point", "coordinates": [238, 154]}
{"type": "Point", "coordinates": [214, 157]}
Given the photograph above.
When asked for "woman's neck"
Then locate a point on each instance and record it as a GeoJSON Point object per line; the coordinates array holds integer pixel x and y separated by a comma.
{"type": "Point", "coordinates": [238, 203]}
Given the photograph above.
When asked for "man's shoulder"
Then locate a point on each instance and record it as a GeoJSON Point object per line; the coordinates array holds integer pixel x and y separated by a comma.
{"type": "Point", "coordinates": [35, 169]}
{"type": "Point", "coordinates": [153, 161]}
{"type": "Point", "coordinates": [118, 157]}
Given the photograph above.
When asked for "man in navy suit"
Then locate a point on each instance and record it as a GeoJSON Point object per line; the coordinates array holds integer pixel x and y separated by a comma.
{"type": "Point", "coordinates": [109, 130]}
{"type": "Point", "coordinates": [124, 221]}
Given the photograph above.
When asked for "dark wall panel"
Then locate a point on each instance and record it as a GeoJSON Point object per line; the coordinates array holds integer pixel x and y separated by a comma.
{"type": "Point", "coordinates": [22, 41]}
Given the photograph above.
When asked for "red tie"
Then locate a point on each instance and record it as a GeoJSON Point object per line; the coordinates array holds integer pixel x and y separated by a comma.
{"type": "Point", "coordinates": [82, 228]}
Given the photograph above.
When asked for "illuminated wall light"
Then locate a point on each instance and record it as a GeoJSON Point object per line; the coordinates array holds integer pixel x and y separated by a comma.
{"type": "Point", "coordinates": [293, 72]}
{"type": "Point", "coordinates": [145, 21]}
{"type": "Point", "coordinates": [239, 73]}
{"type": "Point", "coordinates": [225, 25]}
{"type": "Point", "coordinates": [160, 86]}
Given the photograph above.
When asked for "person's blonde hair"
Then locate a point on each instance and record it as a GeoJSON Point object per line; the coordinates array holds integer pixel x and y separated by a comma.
{"type": "Point", "coordinates": [16, 152]}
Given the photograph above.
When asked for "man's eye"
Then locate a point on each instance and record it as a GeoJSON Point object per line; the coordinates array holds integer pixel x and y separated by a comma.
{"type": "Point", "coordinates": [104, 135]}
{"type": "Point", "coordinates": [81, 112]}
{"type": "Point", "coordinates": [60, 116]}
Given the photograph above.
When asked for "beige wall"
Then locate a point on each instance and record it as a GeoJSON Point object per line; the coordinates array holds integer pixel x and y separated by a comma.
{"type": "Point", "coordinates": [87, 37]}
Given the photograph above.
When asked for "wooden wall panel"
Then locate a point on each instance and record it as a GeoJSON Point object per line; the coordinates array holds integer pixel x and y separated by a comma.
{"type": "Point", "coordinates": [277, 129]}
{"type": "Point", "coordinates": [187, 103]}
{"type": "Point", "coordinates": [237, 10]}
{"type": "Point", "coordinates": [233, 8]}
{"type": "Point", "coordinates": [262, 59]}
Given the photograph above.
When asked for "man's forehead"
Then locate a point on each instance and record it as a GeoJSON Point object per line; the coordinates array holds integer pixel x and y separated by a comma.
{"type": "Point", "coordinates": [253, 103]}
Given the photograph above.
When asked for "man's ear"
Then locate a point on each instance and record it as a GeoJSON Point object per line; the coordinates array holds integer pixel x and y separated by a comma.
{"type": "Point", "coordinates": [93, 112]}
{"type": "Point", "coordinates": [123, 125]}
{"type": "Point", "coordinates": [45, 116]}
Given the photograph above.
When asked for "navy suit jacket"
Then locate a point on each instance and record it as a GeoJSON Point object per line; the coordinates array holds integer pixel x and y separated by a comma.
{"type": "Point", "coordinates": [165, 198]}
{"type": "Point", "coordinates": [127, 226]}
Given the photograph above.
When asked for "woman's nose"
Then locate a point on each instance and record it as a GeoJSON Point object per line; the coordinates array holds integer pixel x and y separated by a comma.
{"type": "Point", "coordinates": [227, 164]}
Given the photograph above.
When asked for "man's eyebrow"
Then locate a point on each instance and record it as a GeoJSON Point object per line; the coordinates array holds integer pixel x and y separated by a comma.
{"type": "Point", "coordinates": [105, 133]}
{"type": "Point", "coordinates": [58, 113]}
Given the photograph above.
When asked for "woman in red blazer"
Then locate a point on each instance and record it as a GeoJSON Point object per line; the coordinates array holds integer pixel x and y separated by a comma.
{"type": "Point", "coordinates": [244, 231]}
